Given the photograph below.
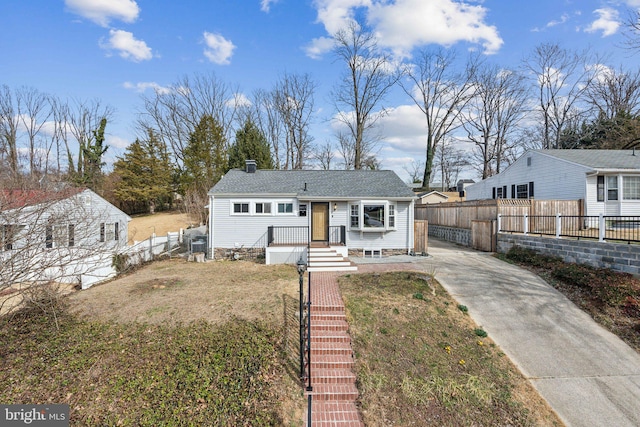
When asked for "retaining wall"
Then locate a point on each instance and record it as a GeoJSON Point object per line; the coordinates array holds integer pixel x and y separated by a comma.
{"type": "Point", "coordinates": [616, 256]}
{"type": "Point", "coordinates": [461, 236]}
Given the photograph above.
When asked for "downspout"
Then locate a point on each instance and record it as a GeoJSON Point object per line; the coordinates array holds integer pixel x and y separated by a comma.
{"type": "Point", "coordinates": [211, 235]}
{"type": "Point", "coordinates": [411, 227]}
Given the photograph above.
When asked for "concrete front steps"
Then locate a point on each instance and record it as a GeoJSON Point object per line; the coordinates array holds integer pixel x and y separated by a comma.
{"type": "Point", "coordinates": [334, 392]}
{"type": "Point", "coordinates": [327, 259]}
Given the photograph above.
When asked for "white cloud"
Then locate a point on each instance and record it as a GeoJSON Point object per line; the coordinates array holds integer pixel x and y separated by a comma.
{"type": "Point", "coordinates": [265, 5]}
{"type": "Point", "coordinates": [633, 3]}
{"type": "Point", "coordinates": [564, 18]}
{"type": "Point", "coordinates": [128, 47]}
{"type": "Point", "coordinates": [143, 86]}
{"type": "Point", "coordinates": [219, 50]}
{"type": "Point", "coordinates": [319, 47]}
{"type": "Point", "coordinates": [116, 141]}
{"type": "Point", "coordinates": [608, 22]}
{"type": "Point", "coordinates": [103, 11]}
{"type": "Point", "coordinates": [404, 24]}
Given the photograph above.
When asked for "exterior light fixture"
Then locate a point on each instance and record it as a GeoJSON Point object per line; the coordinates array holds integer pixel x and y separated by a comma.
{"type": "Point", "coordinates": [335, 206]}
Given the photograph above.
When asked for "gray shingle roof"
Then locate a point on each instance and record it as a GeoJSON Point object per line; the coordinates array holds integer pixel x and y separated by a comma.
{"type": "Point", "coordinates": [319, 183]}
{"type": "Point", "coordinates": [598, 159]}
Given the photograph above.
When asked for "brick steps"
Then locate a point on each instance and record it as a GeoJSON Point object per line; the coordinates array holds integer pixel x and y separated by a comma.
{"type": "Point", "coordinates": [320, 336]}
{"type": "Point", "coordinates": [334, 392]}
{"type": "Point", "coordinates": [331, 349]}
{"type": "Point", "coordinates": [340, 414]}
{"type": "Point", "coordinates": [333, 376]}
{"type": "Point", "coordinates": [332, 362]}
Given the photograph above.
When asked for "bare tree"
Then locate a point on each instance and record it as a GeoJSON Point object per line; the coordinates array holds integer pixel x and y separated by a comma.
{"type": "Point", "coordinates": [451, 161]}
{"type": "Point", "coordinates": [293, 98]}
{"type": "Point", "coordinates": [493, 112]}
{"type": "Point", "coordinates": [362, 88]}
{"type": "Point", "coordinates": [631, 29]}
{"type": "Point", "coordinates": [265, 115]}
{"type": "Point", "coordinates": [562, 78]}
{"type": "Point", "coordinates": [174, 114]}
{"type": "Point", "coordinates": [324, 155]}
{"type": "Point", "coordinates": [36, 112]}
{"type": "Point", "coordinates": [415, 169]}
{"type": "Point", "coordinates": [613, 92]}
{"type": "Point", "coordinates": [83, 119]}
{"type": "Point", "coordinates": [9, 122]}
{"type": "Point", "coordinates": [441, 93]}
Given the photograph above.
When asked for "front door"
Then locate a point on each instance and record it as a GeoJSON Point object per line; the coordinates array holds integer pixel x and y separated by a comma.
{"type": "Point", "coordinates": [319, 222]}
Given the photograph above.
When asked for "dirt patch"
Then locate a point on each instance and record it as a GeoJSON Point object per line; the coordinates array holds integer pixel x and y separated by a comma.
{"type": "Point", "coordinates": [174, 291]}
{"type": "Point", "coordinates": [142, 226]}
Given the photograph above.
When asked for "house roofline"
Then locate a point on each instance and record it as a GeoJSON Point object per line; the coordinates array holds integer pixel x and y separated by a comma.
{"type": "Point", "coordinates": [303, 196]}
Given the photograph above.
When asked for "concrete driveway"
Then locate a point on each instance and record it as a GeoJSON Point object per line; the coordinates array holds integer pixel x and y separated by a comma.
{"type": "Point", "coordinates": [589, 376]}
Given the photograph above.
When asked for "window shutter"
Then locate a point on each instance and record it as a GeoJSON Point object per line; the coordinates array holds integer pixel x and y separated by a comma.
{"type": "Point", "coordinates": [600, 188]}
{"type": "Point", "coordinates": [513, 191]}
{"type": "Point", "coordinates": [494, 193]}
{"type": "Point", "coordinates": [531, 190]}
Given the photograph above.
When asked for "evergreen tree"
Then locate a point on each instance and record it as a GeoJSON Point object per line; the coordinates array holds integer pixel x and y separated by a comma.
{"type": "Point", "coordinates": [204, 161]}
{"type": "Point", "coordinates": [617, 133]}
{"type": "Point", "coordinates": [146, 173]}
{"type": "Point", "coordinates": [205, 156]}
{"type": "Point", "coordinates": [250, 144]}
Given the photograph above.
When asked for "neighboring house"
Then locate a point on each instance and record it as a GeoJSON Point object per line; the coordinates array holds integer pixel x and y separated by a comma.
{"type": "Point", "coordinates": [430, 197]}
{"type": "Point", "coordinates": [608, 181]}
{"type": "Point", "coordinates": [58, 235]}
{"type": "Point", "coordinates": [284, 211]}
{"type": "Point", "coordinates": [462, 185]}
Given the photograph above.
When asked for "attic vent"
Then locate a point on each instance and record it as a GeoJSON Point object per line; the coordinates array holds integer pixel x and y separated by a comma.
{"type": "Point", "coordinates": [250, 166]}
{"type": "Point", "coordinates": [528, 161]}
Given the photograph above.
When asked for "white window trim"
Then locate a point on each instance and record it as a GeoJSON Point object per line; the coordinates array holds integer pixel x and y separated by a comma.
{"type": "Point", "coordinates": [361, 204]}
{"type": "Point", "coordinates": [621, 194]}
{"type": "Point", "coordinates": [254, 210]}
{"type": "Point", "coordinates": [294, 210]}
{"type": "Point", "coordinates": [234, 202]}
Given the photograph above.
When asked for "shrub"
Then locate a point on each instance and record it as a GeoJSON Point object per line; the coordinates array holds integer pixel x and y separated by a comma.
{"type": "Point", "coordinates": [531, 257]}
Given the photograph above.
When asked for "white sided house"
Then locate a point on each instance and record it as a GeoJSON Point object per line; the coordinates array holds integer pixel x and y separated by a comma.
{"type": "Point", "coordinates": [608, 181]}
{"type": "Point", "coordinates": [286, 213]}
{"type": "Point", "coordinates": [62, 236]}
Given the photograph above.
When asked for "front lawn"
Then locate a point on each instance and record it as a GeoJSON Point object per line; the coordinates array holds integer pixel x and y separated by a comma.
{"type": "Point", "coordinates": [421, 360]}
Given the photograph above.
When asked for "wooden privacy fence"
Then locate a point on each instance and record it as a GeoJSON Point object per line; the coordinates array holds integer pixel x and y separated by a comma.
{"type": "Point", "coordinates": [421, 236]}
{"type": "Point", "coordinates": [462, 214]}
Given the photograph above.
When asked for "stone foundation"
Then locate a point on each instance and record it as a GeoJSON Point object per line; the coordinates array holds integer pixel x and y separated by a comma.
{"type": "Point", "coordinates": [384, 252]}
{"type": "Point", "coordinates": [240, 253]}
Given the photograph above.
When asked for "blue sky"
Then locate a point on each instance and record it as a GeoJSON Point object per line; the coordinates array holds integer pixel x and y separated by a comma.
{"type": "Point", "coordinates": [113, 50]}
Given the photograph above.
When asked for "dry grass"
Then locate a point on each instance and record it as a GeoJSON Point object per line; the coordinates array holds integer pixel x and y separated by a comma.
{"type": "Point", "coordinates": [421, 360]}
{"type": "Point", "coordinates": [142, 226]}
{"type": "Point", "coordinates": [173, 291]}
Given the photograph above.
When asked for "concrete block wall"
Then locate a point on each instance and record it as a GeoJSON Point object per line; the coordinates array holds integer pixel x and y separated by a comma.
{"type": "Point", "coordinates": [616, 256]}
{"type": "Point", "coordinates": [460, 236]}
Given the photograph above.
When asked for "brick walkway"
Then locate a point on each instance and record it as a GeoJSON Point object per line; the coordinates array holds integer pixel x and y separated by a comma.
{"type": "Point", "coordinates": [334, 392]}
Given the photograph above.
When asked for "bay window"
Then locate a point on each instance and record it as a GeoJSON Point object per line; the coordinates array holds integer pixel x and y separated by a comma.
{"type": "Point", "coordinates": [631, 187]}
{"type": "Point", "coordinates": [372, 216]}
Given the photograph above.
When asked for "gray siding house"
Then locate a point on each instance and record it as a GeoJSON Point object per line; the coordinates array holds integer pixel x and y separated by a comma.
{"type": "Point", "coordinates": [285, 212]}
{"type": "Point", "coordinates": [608, 181]}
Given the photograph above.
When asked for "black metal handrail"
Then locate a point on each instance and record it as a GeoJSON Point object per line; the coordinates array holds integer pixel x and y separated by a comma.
{"type": "Point", "coordinates": [299, 235]}
{"type": "Point", "coordinates": [287, 235]}
{"type": "Point", "coordinates": [338, 235]}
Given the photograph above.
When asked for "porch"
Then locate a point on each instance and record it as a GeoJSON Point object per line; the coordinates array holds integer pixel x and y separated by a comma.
{"type": "Point", "coordinates": [286, 245]}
